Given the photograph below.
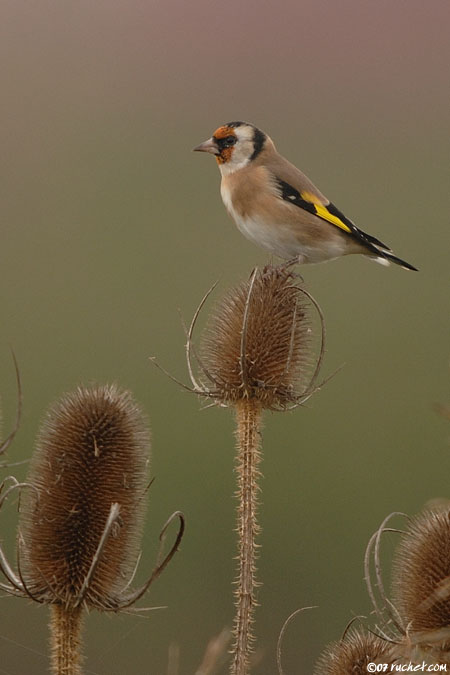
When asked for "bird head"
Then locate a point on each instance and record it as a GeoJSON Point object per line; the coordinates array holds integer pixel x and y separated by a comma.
{"type": "Point", "coordinates": [234, 145]}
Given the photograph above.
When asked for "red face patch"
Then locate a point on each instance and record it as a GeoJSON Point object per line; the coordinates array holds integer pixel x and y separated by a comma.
{"type": "Point", "coordinates": [223, 132]}
{"type": "Point", "coordinates": [225, 156]}
{"type": "Point", "coordinates": [225, 150]}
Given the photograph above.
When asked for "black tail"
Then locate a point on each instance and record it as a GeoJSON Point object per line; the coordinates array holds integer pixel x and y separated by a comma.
{"type": "Point", "coordinates": [380, 250]}
{"type": "Point", "coordinates": [386, 255]}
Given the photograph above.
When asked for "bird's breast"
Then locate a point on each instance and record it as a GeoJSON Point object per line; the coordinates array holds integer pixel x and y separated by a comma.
{"type": "Point", "coordinates": [227, 197]}
{"type": "Point", "coordinates": [245, 190]}
{"type": "Point", "coordinates": [255, 227]}
{"type": "Point", "coordinates": [240, 210]}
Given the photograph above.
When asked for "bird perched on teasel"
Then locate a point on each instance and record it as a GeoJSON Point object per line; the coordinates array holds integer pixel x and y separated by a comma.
{"type": "Point", "coordinates": [276, 206]}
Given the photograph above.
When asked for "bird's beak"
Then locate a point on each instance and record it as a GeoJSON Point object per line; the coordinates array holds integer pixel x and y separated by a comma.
{"type": "Point", "coordinates": [208, 146]}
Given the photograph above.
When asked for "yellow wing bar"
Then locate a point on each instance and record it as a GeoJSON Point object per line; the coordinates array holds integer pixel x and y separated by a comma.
{"type": "Point", "coordinates": [323, 212]}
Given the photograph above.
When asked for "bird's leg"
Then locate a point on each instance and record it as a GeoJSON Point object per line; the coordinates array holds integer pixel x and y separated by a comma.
{"type": "Point", "coordinates": [290, 263]}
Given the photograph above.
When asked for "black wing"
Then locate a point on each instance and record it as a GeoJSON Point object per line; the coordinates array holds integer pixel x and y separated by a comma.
{"type": "Point", "coordinates": [329, 212]}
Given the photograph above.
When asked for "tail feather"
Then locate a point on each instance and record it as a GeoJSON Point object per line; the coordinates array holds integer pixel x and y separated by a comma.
{"type": "Point", "coordinates": [380, 252]}
{"type": "Point", "coordinates": [386, 257]}
{"type": "Point", "coordinates": [375, 242]}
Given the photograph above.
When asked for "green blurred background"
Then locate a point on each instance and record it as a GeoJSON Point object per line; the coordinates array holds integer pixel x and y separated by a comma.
{"type": "Point", "coordinates": [110, 224]}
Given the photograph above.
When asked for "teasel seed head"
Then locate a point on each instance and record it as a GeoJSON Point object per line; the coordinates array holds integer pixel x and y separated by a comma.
{"type": "Point", "coordinates": [258, 344]}
{"type": "Point", "coordinates": [421, 578]}
{"type": "Point", "coordinates": [353, 653]}
{"type": "Point", "coordinates": [80, 535]}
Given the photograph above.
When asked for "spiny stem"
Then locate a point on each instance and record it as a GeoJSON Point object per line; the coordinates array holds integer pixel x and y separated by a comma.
{"type": "Point", "coordinates": [65, 640]}
{"type": "Point", "coordinates": [248, 417]}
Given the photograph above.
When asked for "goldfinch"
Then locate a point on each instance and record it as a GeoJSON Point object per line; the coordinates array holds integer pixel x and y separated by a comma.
{"type": "Point", "coordinates": [276, 206]}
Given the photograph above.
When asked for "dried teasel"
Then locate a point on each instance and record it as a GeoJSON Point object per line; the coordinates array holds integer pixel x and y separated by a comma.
{"type": "Point", "coordinates": [359, 647]}
{"type": "Point", "coordinates": [82, 518]}
{"type": "Point", "coordinates": [421, 578]}
{"type": "Point", "coordinates": [353, 653]}
{"type": "Point", "coordinates": [92, 452]}
{"type": "Point", "coordinates": [401, 621]}
{"type": "Point", "coordinates": [255, 354]}
{"type": "Point", "coordinates": [414, 628]}
{"type": "Point", "coordinates": [258, 344]}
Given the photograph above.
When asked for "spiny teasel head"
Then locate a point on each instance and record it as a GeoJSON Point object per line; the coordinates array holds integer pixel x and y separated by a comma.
{"type": "Point", "coordinates": [80, 526]}
{"type": "Point", "coordinates": [421, 578]}
{"type": "Point", "coordinates": [352, 654]}
{"type": "Point", "coordinates": [258, 344]}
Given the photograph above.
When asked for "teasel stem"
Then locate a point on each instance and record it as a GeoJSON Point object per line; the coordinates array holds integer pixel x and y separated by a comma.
{"type": "Point", "coordinates": [248, 433]}
{"type": "Point", "coordinates": [65, 640]}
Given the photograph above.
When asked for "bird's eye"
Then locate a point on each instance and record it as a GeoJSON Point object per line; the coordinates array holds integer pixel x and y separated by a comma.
{"type": "Point", "coordinates": [230, 140]}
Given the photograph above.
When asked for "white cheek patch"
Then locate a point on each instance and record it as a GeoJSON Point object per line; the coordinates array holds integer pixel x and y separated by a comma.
{"type": "Point", "coordinates": [234, 164]}
{"type": "Point", "coordinates": [242, 151]}
{"type": "Point", "coordinates": [244, 133]}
